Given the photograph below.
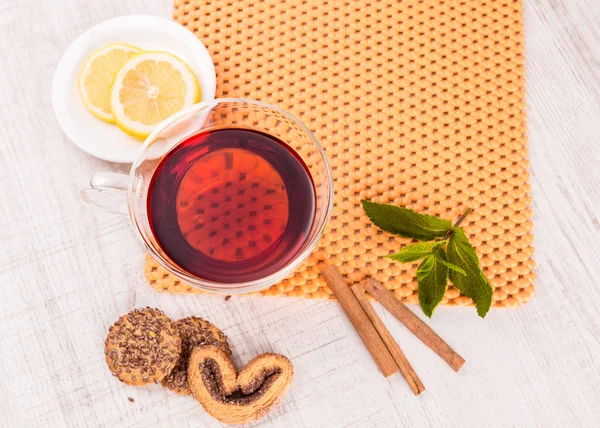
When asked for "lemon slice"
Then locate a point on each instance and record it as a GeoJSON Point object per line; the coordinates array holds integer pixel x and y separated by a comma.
{"type": "Point", "coordinates": [97, 75]}
{"type": "Point", "coordinates": [149, 88]}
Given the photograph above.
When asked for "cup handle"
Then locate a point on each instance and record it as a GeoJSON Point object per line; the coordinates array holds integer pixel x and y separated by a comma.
{"type": "Point", "coordinates": [107, 192]}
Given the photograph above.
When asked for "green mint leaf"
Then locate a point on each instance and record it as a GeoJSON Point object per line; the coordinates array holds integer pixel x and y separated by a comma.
{"type": "Point", "coordinates": [432, 277]}
{"type": "Point", "coordinates": [406, 222]}
{"type": "Point", "coordinates": [474, 285]}
{"type": "Point", "coordinates": [418, 251]}
{"type": "Point", "coordinates": [443, 260]}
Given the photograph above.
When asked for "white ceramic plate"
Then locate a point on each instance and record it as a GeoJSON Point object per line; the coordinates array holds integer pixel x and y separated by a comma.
{"type": "Point", "coordinates": [104, 140]}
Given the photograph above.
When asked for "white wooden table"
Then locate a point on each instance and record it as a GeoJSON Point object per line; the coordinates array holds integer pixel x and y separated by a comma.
{"type": "Point", "coordinates": [67, 272]}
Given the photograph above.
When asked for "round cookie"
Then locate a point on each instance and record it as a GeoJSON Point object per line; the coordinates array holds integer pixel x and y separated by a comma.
{"type": "Point", "coordinates": [194, 331]}
{"type": "Point", "coordinates": [142, 347]}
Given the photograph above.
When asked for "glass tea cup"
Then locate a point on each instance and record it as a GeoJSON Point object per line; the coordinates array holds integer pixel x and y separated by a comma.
{"type": "Point", "coordinates": [129, 195]}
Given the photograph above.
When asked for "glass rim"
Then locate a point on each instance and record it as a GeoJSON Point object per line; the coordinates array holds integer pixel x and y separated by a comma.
{"type": "Point", "coordinates": [238, 287]}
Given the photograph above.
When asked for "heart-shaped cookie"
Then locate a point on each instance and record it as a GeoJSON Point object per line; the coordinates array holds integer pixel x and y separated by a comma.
{"type": "Point", "coordinates": [238, 398]}
{"type": "Point", "coordinates": [194, 331]}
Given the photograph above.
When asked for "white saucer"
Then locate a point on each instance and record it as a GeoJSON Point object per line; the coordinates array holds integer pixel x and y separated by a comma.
{"type": "Point", "coordinates": [100, 139]}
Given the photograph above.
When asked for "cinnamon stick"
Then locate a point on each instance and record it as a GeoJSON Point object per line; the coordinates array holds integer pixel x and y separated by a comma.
{"type": "Point", "coordinates": [360, 321]}
{"type": "Point", "coordinates": [405, 367]}
{"type": "Point", "coordinates": [414, 324]}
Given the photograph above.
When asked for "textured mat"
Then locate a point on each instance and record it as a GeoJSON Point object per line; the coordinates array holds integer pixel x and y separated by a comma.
{"type": "Point", "coordinates": [420, 103]}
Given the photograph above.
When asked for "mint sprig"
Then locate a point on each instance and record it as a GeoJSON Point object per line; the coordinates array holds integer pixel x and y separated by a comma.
{"type": "Point", "coordinates": [445, 251]}
{"type": "Point", "coordinates": [474, 284]}
{"type": "Point", "coordinates": [406, 222]}
{"type": "Point", "coordinates": [433, 281]}
{"type": "Point", "coordinates": [418, 251]}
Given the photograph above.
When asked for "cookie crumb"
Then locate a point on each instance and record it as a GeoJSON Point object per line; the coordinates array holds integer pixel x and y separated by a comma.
{"type": "Point", "coordinates": [227, 297]}
{"type": "Point", "coordinates": [131, 399]}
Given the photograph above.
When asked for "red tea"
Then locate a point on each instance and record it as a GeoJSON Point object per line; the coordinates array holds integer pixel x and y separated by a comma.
{"type": "Point", "coordinates": [231, 205]}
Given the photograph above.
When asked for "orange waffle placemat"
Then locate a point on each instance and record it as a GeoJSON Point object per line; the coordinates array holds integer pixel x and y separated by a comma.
{"type": "Point", "coordinates": [420, 103]}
